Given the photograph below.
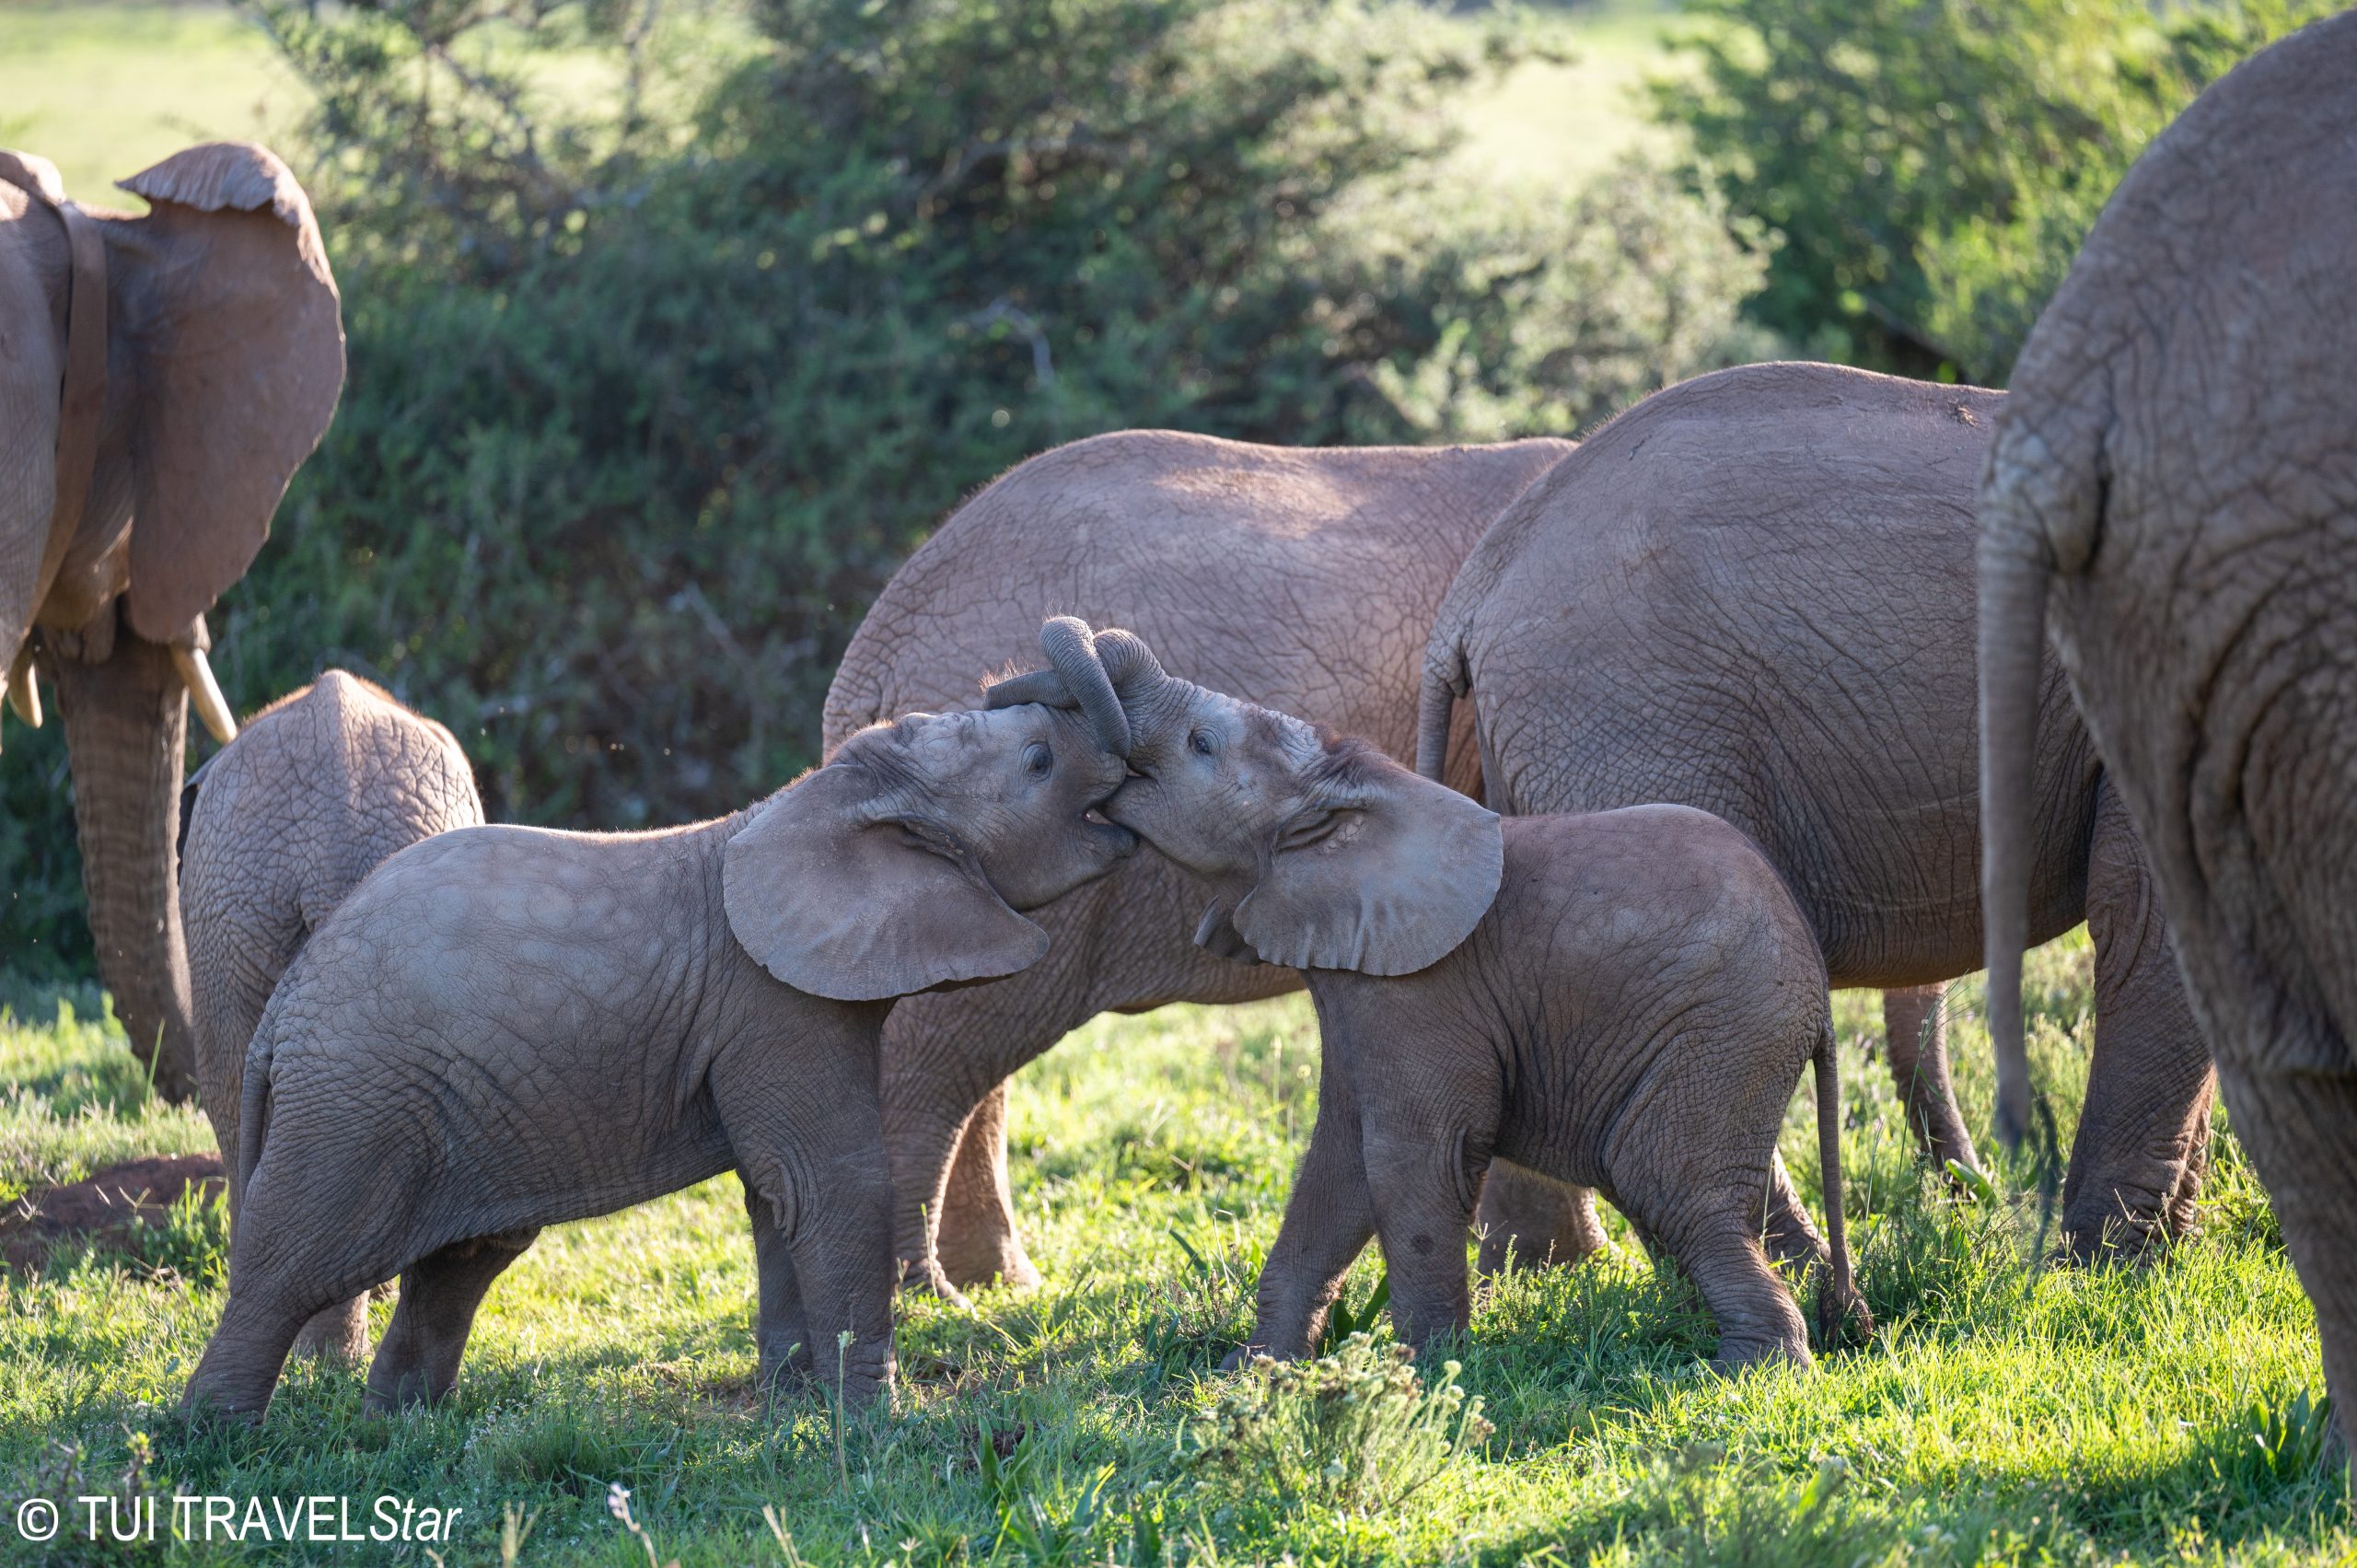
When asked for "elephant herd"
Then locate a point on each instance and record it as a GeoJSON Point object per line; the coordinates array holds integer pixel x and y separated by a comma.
{"type": "Point", "coordinates": [1567, 777]}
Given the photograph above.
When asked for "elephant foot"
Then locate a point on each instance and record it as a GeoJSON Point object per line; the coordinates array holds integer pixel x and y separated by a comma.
{"type": "Point", "coordinates": [2132, 1215]}
{"type": "Point", "coordinates": [924, 1276]}
{"type": "Point", "coordinates": [2129, 1231]}
{"type": "Point", "coordinates": [1530, 1221]}
{"type": "Point", "coordinates": [971, 1260]}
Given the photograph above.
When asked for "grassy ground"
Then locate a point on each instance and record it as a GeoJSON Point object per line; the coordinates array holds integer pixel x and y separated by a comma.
{"type": "Point", "coordinates": [1550, 125]}
{"type": "Point", "coordinates": [2002, 1413]}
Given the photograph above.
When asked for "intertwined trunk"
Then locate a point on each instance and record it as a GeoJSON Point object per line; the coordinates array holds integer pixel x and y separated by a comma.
{"type": "Point", "coordinates": [126, 727]}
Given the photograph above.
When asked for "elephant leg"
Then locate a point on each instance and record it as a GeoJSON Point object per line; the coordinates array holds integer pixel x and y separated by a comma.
{"type": "Point", "coordinates": [2143, 1141]}
{"type": "Point", "coordinates": [1756, 1317]}
{"type": "Point", "coordinates": [945, 1061]}
{"type": "Point", "coordinates": [340, 1333]}
{"type": "Point", "coordinates": [976, 1242]}
{"type": "Point", "coordinates": [781, 1332]}
{"type": "Point", "coordinates": [2300, 1132]}
{"type": "Point", "coordinates": [810, 1153]}
{"type": "Point", "coordinates": [288, 1259]}
{"type": "Point", "coordinates": [1424, 1193]}
{"type": "Point", "coordinates": [1118, 943]}
{"type": "Point", "coordinates": [418, 1362]}
{"type": "Point", "coordinates": [1915, 1027]}
{"type": "Point", "coordinates": [1535, 1220]}
{"type": "Point", "coordinates": [1329, 1217]}
{"type": "Point", "coordinates": [239, 1369]}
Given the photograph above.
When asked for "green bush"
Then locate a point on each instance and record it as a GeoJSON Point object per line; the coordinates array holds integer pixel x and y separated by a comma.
{"type": "Point", "coordinates": [1356, 1430]}
{"type": "Point", "coordinates": [1931, 165]}
{"type": "Point", "coordinates": [666, 344]}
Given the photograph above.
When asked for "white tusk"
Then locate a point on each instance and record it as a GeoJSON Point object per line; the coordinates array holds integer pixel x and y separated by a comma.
{"type": "Point", "coordinates": [24, 687]}
{"type": "Point", "coordinates": [205, 693]}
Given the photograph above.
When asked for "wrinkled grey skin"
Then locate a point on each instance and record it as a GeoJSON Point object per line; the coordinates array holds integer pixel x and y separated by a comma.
{"type": "Point", "coordinates": [222, 351]}
{"type": "Point", "coordinates": [508, 1027]}
{"type": "Point", "coordinates": [1753, 594]}
{"type": "Point", "coordinates": [316, 790]}
{"type": "Point", "coordinates": [1621, 1001]}
{"type": "Point", "coordinates": [2172, 497]}
{"type": "Point", "coordinates": [1204, 546]}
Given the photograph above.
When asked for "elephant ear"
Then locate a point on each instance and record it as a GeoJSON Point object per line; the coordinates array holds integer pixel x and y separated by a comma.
{"type": "Point", "coordinates": [231, 337]}
{"type": "Point", "coordinates": [1386, 881]}
{"type": "Point", "coordinates": [833, 893]}
{"type": "Point", "coordinates": [34, 173]}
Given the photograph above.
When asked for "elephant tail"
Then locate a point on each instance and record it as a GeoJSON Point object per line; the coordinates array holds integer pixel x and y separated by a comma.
{"type": "Point", "coordinates": [253, 1118]}
{"type": "Point", "coordinates": [1444, 682]}
{"type": "Point", "coordinates": [2034, 514]}
{"type": "Point", "coordinates": [1840, 1309]}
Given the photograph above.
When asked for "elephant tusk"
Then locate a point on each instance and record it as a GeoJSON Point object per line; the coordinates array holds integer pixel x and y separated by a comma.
{"type": "Point", "coordinates": [24, 687]}
{"type": "Point", "coordinates": [205, 693]}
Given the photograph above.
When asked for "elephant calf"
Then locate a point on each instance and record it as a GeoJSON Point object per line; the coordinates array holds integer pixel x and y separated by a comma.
{"type": "Point", "coordinates": [508, 1028]}
{"type": "Point", "coordinates": [312, 795]}
{"type": "Point", "coordinates": [1621, 1000]}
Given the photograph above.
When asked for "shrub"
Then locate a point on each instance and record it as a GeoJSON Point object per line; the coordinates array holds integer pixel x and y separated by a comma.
{"type": "Point", "coordinates": [667, 342]}
{"type": "Point", "coordinates": [1931, 166]}
{"type": "Point", "coordinates": [1355, 1430]}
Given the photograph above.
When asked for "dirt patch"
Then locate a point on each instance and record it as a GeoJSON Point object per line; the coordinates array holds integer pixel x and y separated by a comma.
{"type": "Point", "coordinates": [109, 1204]}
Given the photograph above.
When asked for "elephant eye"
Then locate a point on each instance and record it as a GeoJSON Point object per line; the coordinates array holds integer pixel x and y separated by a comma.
{"type": "Point", "coordinates": [1200, 742]}
{"type": "Point", "coordinates": [1039, 759]}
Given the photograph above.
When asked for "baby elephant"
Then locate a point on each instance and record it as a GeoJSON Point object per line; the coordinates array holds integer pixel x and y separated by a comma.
{"type": "Point", "coordinates": [1621, 1000]}
{"type": "Point", "coordinates": [314, 792]}
{"type": "Point", "coordinates": [508, 1027]}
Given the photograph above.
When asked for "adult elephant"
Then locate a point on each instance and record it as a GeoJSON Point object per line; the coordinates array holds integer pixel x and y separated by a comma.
{"type": "Point", "coordinates": [1302, 579]}
{"type": "Point", "coordinates": [2176, 480]}
{"type": "Point", "coordinates": [1753, 593]}
{"type": "Point", "coordinates": [161, 376]}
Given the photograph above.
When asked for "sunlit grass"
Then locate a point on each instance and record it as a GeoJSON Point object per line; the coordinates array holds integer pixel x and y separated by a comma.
{"type": "Point", "coordinates": [2002, 1414]}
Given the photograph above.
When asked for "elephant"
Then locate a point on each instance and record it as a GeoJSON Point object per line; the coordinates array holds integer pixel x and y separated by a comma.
{"type": "Point", "coordinates": [1621, 1000]}
{"type": "Point", "coordinates": [165, 374]}
{"type": "Point", "coordinates": [1203, 545]}
{"type": "Point", "coordinates": [2170, 505]}
{"type": "Point", "coordinates": [1753, 594]}
{"type": "Point", "coordinates": [1303, 580]}
{"type": "Point", "coordinates": [503, 1029]}
{"type": "Point", "coordinates": [314, 792]}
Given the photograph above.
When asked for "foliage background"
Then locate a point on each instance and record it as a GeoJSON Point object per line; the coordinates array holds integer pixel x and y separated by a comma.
{"type": "Point", "coordinates": [674, 327]}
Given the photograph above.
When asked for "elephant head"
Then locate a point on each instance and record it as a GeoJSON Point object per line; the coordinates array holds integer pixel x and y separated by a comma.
{"type": "Point", "coordinates": [903, 864]}
{"type": "Point", "coordinates": [1322, 851]}
{"type": "Point", "coordinates": [169, 372]}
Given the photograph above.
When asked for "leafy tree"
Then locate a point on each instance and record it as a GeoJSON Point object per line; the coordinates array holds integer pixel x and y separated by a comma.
{"type": "Point", "coordinates": [1931, 165]}
{"type": "Point", "coordinates": [671, 331]}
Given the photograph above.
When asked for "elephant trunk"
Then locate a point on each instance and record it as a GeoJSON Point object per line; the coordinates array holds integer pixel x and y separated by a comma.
{"type": "Point", "coordinates": [1129, 666]}
{"type": "Point", "coordinates": [1072, 653]}
{"type": "Point", "coordinates": [2014, 571]}
{"type": "Point", "coordinates": [126, 727]}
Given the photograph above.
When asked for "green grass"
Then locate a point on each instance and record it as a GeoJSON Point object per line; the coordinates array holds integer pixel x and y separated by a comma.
{"type": "Point", "coordinates": [104, 89]}
{"type": "Point", "coordinates": [1549, 125]}
{"type": "Point", "coordinates": [2002, 1413]}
